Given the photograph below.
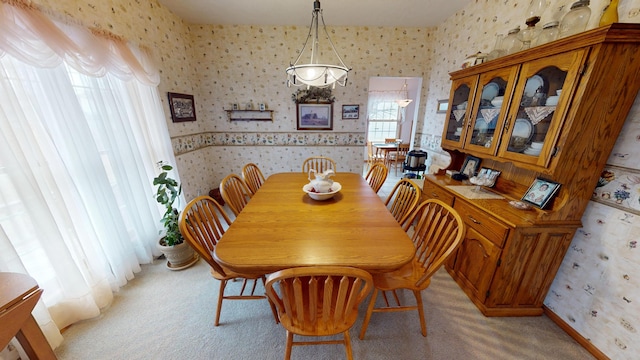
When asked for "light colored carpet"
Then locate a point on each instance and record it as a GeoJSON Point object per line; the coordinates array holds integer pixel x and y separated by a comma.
{"type": "Point", "coordinates": [164, 314]}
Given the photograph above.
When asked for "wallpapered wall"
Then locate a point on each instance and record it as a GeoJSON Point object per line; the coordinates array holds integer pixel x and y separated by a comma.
{"type": "Point", "coordinates": [597, 289]}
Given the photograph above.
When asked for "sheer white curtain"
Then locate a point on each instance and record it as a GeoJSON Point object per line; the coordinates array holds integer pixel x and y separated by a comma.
{"type": "Point", "coordinates": [81, 130]}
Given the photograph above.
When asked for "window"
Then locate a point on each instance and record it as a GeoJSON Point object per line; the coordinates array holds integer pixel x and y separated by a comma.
{"type": "Point", "coordinates": [383, 120]}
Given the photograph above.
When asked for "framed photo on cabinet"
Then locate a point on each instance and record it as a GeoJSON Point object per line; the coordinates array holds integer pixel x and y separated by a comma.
{"type": "Point", "coordinates": [470, 166]}
{"type": "Point", "coordinates": [541, 192]}
{"type": "Point", "coordinates": [182, 107]}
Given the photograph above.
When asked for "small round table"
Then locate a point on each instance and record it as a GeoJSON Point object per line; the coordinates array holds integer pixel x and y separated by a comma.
{"type": "Point", "coordinates": [19, 294]}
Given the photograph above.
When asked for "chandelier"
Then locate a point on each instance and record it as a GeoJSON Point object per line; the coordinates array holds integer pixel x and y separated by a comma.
{"type": "Point", "coordinates": [314, 73]}
{"type": "Point", "coordinates": [403, 103]}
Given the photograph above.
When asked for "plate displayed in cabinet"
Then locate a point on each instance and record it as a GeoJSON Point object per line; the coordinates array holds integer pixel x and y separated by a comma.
{"type": "Point", "coordinates": [521, 134]}
{"type": "Point", "coordinates": [533, 84]}
{"type": "Point", "coordinates": [490, 91]}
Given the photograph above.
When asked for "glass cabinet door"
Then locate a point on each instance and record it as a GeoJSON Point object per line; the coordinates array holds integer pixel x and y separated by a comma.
{"type": "Point", "coordinates": [489, 110]}
{"type": "Point", "coordinates": [539, 107]}
{"type": "Point", "coordinates": [460, 102]}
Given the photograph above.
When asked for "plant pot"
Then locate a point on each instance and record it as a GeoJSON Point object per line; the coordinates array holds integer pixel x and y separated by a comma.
{"type": "Point", "coordinates": [180, 256]}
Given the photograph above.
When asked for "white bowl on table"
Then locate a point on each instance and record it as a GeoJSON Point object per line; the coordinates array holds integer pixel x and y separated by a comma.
{"type": "Point", "coordinates": [335, 188]}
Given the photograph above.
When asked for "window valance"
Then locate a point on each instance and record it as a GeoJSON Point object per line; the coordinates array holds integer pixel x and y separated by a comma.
{"type": "Point", "coordinates": [29, 35]}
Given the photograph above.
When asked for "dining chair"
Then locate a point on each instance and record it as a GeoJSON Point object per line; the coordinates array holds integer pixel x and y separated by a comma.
{"type": "Point", "coordinates": [202, 224]}
{"type": "Point", "coordinates": [235, 193]}
{"type": "Point", "coordinates": [373, 155]}
{"type": "Point", "coordinates": [376, 176]}
{"type": "Point", "coordinates": [318, 301]}
{"type": "Point", "coordinates": [437, 230]}
{"type": "Point", "coordinates": [253, 177]}
{"type": "Point", "coordinates": [403, 198]}
{"type": "Point", "coordinates": [319, 163]}
{"type": "Point", "coordinates": [390, 140]}
{"type": "Point", "coordinates": [397, 157]}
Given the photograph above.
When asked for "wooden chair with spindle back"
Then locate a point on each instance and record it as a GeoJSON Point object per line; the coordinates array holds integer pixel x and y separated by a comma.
{"type": "Point", "coordinates": [318, 301]}
{"type": "Point", "coordinates": [377, 176]}
{"type": "Point", "coordinates": [319, 164]}
{"type": "Point", "coordinates": [252, 176]}
{"type": "Point", "coordinates": [404, 197]}
{"type": "Point", "coordinates": [437, 230]}
{"type": "Point", "coordinates": [202, 224]}
{"type": "Point", "coordinates": [235, 193]}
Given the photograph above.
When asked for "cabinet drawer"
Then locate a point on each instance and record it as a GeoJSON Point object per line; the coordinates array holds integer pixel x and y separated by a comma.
{"type": "Point", "coordinates": [483, 223]}
{"type": "Point", "coordinates": [432, 191]}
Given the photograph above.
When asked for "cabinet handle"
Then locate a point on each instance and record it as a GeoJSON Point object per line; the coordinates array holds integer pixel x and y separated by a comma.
{"type": "Point", "coordinates": [506, 125]}
{"type": "Point", "coordinates": [473, 220]}
{"type": "Point", "coordinates": [434, 195]}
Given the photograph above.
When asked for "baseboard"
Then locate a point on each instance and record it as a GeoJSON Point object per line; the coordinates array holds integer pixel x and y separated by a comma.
{"type": "Point", "coordinates": [574, 334]}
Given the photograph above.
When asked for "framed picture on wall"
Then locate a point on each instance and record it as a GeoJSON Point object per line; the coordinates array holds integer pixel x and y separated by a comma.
{"type": "Point", "coordinates": [182, 107]}
{"type": "Point", "coordinates": [315, 116]}
{"type": "Point", "coordinates": [350, 112]}
{"type": "Point", "coordinates": [443, 106]}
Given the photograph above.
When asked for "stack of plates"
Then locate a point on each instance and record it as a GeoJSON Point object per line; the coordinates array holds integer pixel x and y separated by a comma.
{"type": "Point", "coordinates": [534, 149]}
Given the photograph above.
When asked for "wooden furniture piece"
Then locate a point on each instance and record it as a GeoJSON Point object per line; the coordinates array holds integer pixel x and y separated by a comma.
{"type": "Point", "coordinates": [235, 193]}
{"type": "Point", "coordinates": [374, 155]}
{"type": "Point", "coordinates": [250, 115]}
{"type": "Point", "coordinates": [19, 294]}
{"type": "Point", "coordinates": [282, 227]}
{"type": "Point", "coordinates": [318, 163]}
{"type": "Point", "coordinates": [253, 177]}
{"type": "Point", "coordinates": [403, 198]}
{"type": "Point", "coordinates": [397, 157]}
{"type": "Point", "coordinates": [563, 107]}
{"type": "Point", "coordinates": [376, 176]}
{"type": "Point", "coordinates": [202, 223]}
{"type": "Point", "coordinates": [318, 301]}
{"type": "Point", "coordinates": [437, 232]}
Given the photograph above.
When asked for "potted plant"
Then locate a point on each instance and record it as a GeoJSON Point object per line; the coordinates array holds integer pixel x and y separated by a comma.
{"type": "Point", "coordinates": [178, 253]}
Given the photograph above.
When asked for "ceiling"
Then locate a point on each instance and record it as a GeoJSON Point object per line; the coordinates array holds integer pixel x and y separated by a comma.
{"type": "Point", "coordinates": [406, 13]}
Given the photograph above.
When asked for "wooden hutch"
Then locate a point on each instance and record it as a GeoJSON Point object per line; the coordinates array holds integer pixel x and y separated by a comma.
{"type": "Point", "coordinates": [509, 257]}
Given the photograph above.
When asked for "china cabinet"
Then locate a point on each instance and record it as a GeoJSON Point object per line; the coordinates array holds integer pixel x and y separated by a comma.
{"type": "Point", "coordinates": [553, 111]}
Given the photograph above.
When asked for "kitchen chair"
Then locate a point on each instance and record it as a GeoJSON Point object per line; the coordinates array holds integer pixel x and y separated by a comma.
{"type": "Point", "coordinates": [403, 199]}
{"type": "Point", "coordinates": [376, 176]}
{"type": "Point", "coordinates": [397, 157]}
{"type": "Point", "coordinates": [202, 224]}
{"type": "Point", "coordinates": [318, 301]}
{"type": "Point", "coordinates": [389, 140]}
{"type": "Point", "coordinates": [437, 231]}
{"type": "Point", "coordinates": [235, 193]}
{"type": "Point", "coordinates": [253, 177]}
{"type": "Point", "coordinates": [374, 155]}
{"type": "Point", "coordinates": [319, 163]}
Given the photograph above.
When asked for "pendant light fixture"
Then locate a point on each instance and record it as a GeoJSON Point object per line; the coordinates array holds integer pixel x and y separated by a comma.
{"type": "Point", "coordinates": [315, 73]}
{"type": "Point", "coordinates": [403, 103]}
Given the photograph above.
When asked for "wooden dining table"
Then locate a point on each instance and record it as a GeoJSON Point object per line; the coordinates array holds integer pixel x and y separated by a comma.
{"type": "Point", "coordinates": [282, 227]}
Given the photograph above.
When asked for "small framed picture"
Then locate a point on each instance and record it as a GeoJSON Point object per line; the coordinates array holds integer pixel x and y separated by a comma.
{"type": "Point", "coordinates": [262, 107]}
{"type": "Point", "coordinates": [470, 166]}
{"type": "Point", "coordinates": [182, 107]}
{"type": "Point", "coordinates": [541, 192]}
{"type": "Point", "coordinates": [235, 106]}
{"type": "Point", "coordinates": [489, 175]}
{"type": "Point", "coordinates": [443, 106]}
{"type": "Point", "coordinates": [350, 112]}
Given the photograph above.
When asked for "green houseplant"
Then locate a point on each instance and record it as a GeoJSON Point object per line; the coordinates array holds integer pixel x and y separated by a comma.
{"type": "Point", "coordinates": [178, 253]}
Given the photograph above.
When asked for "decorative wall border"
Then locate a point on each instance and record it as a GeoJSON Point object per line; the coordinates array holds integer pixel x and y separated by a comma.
{"type": "Point", "coordinates": [189, 143]}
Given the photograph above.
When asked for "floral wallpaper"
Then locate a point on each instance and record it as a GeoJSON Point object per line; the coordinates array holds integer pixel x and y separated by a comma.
{"type": "Point", "coordinates": [596, 291]}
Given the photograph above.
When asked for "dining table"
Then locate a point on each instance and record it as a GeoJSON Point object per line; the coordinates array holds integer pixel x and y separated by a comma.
{"type": "Point", "coordinates": [282, 227]}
